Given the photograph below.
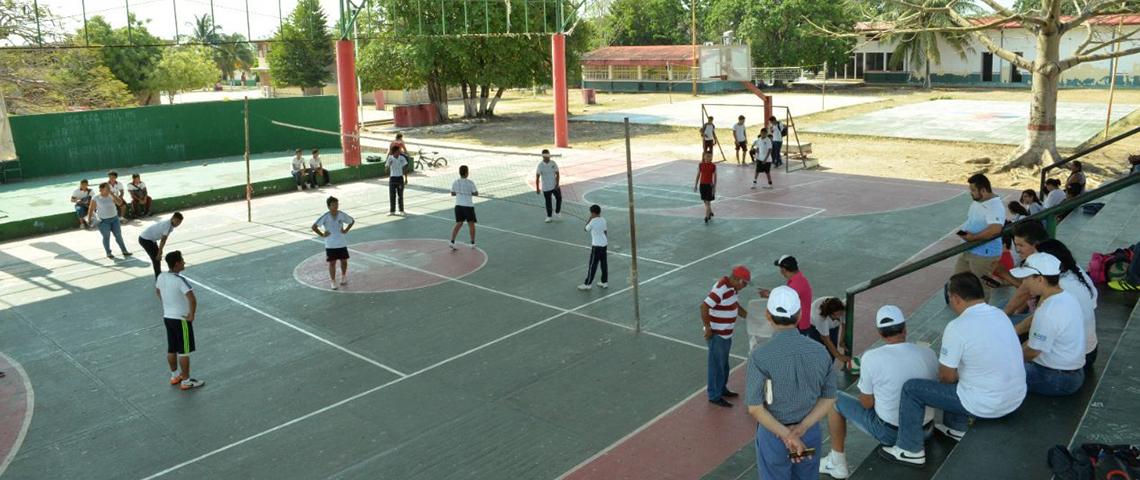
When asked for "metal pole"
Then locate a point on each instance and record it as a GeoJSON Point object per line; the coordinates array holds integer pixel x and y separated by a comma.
{"type": "Point", "coordinates": [213, 20]}
{"type": "Point", "coordinates": [36, 8]}
{"type": "Point", "coordinates": [1112, 81]}
{"type": "Point", "coordinates": [175, 2]}
{"type": "Point", "coordinates": [248, 30]}
{"type": "Point", "coordinates": [823, 98]}
{"type": "Point", "coordinates": [248, 182]}
{"type": "Point", "coordinates": [280, 19]}
{"type": "Point", "coordinates": [632, 232]}
{"type": "Point", "coordinates": [128, 3]}
{"type": "Point", "coordinates": [694, 69]}
{"type": "Point", "coordinates": [86, 38]}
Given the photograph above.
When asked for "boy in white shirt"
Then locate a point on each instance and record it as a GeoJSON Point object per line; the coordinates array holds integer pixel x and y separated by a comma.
{"type": "Point", "coordinates": [708, 136]}
{"type": "Point", "coordinates": [117, 191]}
{"type": "Point", "coordinates": [298, 170]}
{"type": "Point", "coordinates": [140, 199]}
{"type": "Point", "coordinates": [317, 168]}
{"type": "Point", "coordinates": [599, 239]}
{"type": "Point", "coordinates": [336, 226]}
{"type": "Point", "coordinates": [740, 139]}
{"type": "Point", "coordinates": [1055, 351]}
{"type": "Point", "coordinates": [81, 197]}
{"type": "Point", "coordinates": [178, 308]}
{"type": "Point", "coordinates": [463, 190]}
{"type": "Point", "coordinates": [762, 156]}
{"type": "Point", "coordinates": [777, 130]}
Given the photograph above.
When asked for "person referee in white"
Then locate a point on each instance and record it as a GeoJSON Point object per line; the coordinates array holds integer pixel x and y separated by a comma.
{"type": "Point", "coordinates": [178, 307]}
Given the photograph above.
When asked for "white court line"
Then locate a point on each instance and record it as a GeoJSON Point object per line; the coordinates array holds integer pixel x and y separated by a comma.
{"type": "Point", "coordinates": [475, 349]}
{"type": "Point", "coordinates": [638, 430]}
{"type": "Point", "coordinates": [538, 237]}
{"type": "Point", "coordinates": [294, 327]}
{"type": "Point", "coordinates": [30, 399]}
{"type": "Point", "coordinates": [740, 197]}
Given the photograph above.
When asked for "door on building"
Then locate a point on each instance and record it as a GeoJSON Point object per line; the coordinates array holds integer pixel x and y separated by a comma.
{"type": "Point", "coordinates": [859, 62]}
{"type": "Point", "coordinates": [1014, 73]}
{"type": "Point", "coordinates": [987, 67]}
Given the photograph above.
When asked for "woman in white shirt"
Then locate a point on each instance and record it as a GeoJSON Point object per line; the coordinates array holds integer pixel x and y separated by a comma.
{"type": "Point", "coordinates": [1030, 201]}
{"type": "Point", "coordinates": [107, 211]}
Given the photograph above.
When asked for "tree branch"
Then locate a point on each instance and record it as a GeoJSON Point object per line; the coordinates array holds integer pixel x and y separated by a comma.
{"type": "Point", "coordinates": [1079, 59]}
{"type": "Point", "coordinates": [1092, 9]}
{"type": "Point", "coordinates": [1108, 43]}
{"type": "Point", "coordinates": [1007, 55]}
{"type": "Point", "coordinates": [1005, 12]}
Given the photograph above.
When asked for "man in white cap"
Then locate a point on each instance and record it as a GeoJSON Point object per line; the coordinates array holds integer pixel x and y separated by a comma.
{"type": "Point", "coordinates": [1055, 351]}
{"type": "Point", "coordinates": [718, 314]}
{"type": "Point", "coordinates": [791, 387]}
{"type": "Point", "coordinates": [980, 373]}
{"type": "Point", "coordinates": [884, 371]}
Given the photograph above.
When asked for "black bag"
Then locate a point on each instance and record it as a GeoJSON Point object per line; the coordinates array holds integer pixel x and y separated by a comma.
{"type": "Point", "coordinates": [784, 131]}
{"type": "Point", "coordinates": [1095, 461]}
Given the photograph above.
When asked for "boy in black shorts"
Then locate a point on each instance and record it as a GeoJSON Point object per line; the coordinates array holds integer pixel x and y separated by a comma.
{"type": "Point", "coordinates": [463, 190]}
{"type": "Point", "coordinates": [762, 156]}
{"type": "Point", "coordinates": [336, 224]}
{"type": "Point", "coordinates": [178, 307]}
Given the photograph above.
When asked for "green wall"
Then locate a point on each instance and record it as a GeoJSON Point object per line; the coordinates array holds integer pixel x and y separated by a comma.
{"type": "Point", "coordinates": [61, 143]}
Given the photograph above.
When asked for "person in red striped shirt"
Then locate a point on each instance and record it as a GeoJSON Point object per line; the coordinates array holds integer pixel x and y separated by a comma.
{"type": "Point", "coordinates": [718, 313]}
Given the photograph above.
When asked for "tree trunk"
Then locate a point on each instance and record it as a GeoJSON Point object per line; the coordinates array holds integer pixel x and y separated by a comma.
{"type": "Point", "coordinates": [468, 100]}
{"type": "Point", "coordinates": [483, 92]}
{"type": "Point", "coordinates": [437, 95]}
{"type": "Point", "coordinates": [495, 101]}
{"type": "Point", "coordinates": [1041, 134]}
{"type": "Point", "coordinates": [927, 81]}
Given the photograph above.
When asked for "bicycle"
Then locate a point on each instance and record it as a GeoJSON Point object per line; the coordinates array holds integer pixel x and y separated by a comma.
{"type": "Point", "coordinates": [432, 161]}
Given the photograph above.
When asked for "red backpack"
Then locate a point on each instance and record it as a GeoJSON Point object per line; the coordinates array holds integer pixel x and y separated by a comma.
{"type": "Point", "coordinates": [1101, 263]}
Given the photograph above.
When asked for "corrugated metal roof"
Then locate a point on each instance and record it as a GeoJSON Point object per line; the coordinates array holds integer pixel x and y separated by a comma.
{"type": "Point", "coordinates": [1109, 20]}
{"type": "Point", "coordinates": [642, 55]}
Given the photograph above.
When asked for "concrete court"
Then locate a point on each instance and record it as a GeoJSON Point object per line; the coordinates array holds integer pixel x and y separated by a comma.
{"type": "Point", "coordinates": [685, 112]}
{"type": "Point", "coordinates": [978, 121]}
{"type": "Point", "coordinates": [506, 372]}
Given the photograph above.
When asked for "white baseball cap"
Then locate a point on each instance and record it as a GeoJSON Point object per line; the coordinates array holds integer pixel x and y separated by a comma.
{"type": "Point", "coordinates": [1038, 264]}
{"type": "Point", "coordinates": [889, 316]}
{"type": "Point", "coordinates": [783, 301]}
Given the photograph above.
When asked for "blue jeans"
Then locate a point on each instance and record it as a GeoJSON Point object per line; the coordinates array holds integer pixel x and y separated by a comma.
{"type": "Point", "coordinates": [772, 461]}
{"type": "Point", "coordinates": [81, 211]}
{"type": "Point", "coordinates": [297, 178]}
{"type": "Point", "coordinates": [107, 226]}
{"type": "Point", "coordinates": [916, 395]}
{"type": "Point", "coordinates": [1052, 383]}
{"type": "Point", "coordinates": [776, 160]}
{"type": "Point", "coordinates": [866, 419]}
{"type": "Point", "coordinates": [718, 366]}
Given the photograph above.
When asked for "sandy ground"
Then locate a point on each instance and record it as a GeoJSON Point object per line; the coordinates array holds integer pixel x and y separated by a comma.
{"type": "Point", "coordinates": [523, 121]}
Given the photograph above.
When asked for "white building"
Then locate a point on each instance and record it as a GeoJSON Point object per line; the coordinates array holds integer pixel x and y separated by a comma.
{"type": "Point", "coordinates": [872, 59]}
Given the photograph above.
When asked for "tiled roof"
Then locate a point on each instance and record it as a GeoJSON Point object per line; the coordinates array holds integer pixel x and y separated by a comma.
{"type": "Point", "coordinates": [644, 55]}
{"type": "Point", "coordinates": [1110, 20]}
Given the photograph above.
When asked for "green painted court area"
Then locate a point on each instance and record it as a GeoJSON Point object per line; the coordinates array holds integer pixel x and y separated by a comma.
{"type": "Point", "coordinates": [506, 371]}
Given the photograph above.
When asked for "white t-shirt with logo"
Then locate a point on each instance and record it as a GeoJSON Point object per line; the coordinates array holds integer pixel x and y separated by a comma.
{"type": "Point", "coordinates": [547, 171]}
{"type": "Point", "coordinates": [158, 230]}
{"type": "Point", "coordinates": [884, 370]}
{"type": "Point", "coordinates": [822, 324]}
{"type": "Point", "coordinates": [983, 346]}
{"type": "Point", "coordinates": [762, 146]}
{"type": "Point", "coordinates": [982, 215]}
{"type": "Point", "coordinates": [1058, 332]}
{"type": "Point", "coordinates": [333, 225]}
{"type": "Point", "coordinates": [173, 288]}
{"type": "Point", "coordinates": [1087, 299]}
{"type": "Point", "coordinates": [464, 190]}
{"type": "Point", "coordinates": [738, 133]}
{"type": "Point", "coordinates": [708, 130]}
{"type": "Point", "coordinates": [597, 228]}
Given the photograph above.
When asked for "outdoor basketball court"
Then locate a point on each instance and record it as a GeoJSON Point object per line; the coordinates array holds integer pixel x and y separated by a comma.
{"type": "Point", "coordinates": [977, 121]}
{"type": "Point", "coordinates": [687, 113]}
{"type": "Point", "coordinates": [431, 364]}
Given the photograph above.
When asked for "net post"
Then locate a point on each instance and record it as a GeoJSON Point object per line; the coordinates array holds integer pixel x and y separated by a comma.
{"type": "Point", "coordinates": [632, 232]}
{"type": "Point", "coordinates": [849, 325]}
{"type": "Point", "coordinates": [248, 183]}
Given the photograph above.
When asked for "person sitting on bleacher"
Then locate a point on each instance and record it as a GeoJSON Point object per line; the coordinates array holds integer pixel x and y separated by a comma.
{"type": "Point", "coordinates": [140, 200]}
{"type": "Point", "coordinates": [298, 170]}
{"type": "Point", "coordinates": [981, 373]}
{"type": "Point", "coordinates": [1054, 353]}
{"type": "Point", "coordinates": [1054, 195]}
{"type": "Point", "coordinates": [81, 197]}
{"type": "Point", "coordinates": [1075, 281]}
{"type": "Point", "coordinates": [1026, 236]}
{"type": "Point", "coordinates": [883, 372]}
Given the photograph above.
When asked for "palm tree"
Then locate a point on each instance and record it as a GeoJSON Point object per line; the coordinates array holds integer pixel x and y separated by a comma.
{"type": "Point", "coordinates": [919, 49]}
{"type": "Point", "coordinates": [229, 51]}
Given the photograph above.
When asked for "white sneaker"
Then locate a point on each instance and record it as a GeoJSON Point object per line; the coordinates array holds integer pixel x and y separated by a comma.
{"type": "Point", "coordinates": [334, 285]}
{"type": "Point", "coordinates": [451, 244]}
{"type": "Point", "coordinates": [344, 279]}
{"type": "Point", "coordinates": [604, 285]}
{"type": "Point", "coordinates": [896, 454]}
{"type": "Point", "coordinates": [768, 187]}
{"type": "Point", "coordinates": [955, 435]}
{"type": "Point", "coordinates": [548, 220]}
{"type": "Point", "coordinates": [583, 287]}
{"type": "Point", "coordinates": [558, 215]}
{"type": "Point", "coordinates": [753, 186]}
{"type": "Point", "coordinates": [472, 246]}
{"type": "Point", "coordinates": [191, 383]}
{"type": "Point", "coordinates": [831, 466]}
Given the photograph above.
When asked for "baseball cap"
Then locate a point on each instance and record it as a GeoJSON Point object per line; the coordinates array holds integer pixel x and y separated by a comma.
{"type": "Point", "coordinates": [1038, 264]}
{"type": "Point", "coordinates": [788, 262]}
{"type": "Point", "coordinates": [783, 301]}
{"type": "Point", "coordinates": [889, 316]}
{"type": "Point", "coordinates": [741, 272]}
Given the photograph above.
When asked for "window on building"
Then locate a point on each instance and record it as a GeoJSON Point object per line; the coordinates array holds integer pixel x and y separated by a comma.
{"type": "Point", "coordinates": [890, 65]}
{"type": "Point", "coordinates": [655, 72]}
{"type": "Point", "coordinates": [624, 72]}
{"type": "Point", "coordinates": [875, 62]}
{"type": "Point", "coordinates": [595, 72]}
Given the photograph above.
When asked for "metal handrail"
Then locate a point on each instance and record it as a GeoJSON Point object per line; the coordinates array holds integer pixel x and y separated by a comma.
{"type": "Point", "coordinates": [1045, 171]}
{"type": "Point", "coordinates": [1070, 204]}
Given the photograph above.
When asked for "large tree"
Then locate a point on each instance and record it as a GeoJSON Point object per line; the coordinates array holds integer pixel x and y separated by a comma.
{"type": "Point", "coordinates": [1047, 24]}
{"type": "Point", "coordinates": [775, 29]}
{"type": "Point", "coordinates": [302, 50]}
{"type": "Point", "coordinates": [182, 69]}
{"type": "Point", "coordinates": [130, 54]}
{"type": "Point", "coordinates": [229, 51]}
{"type": "Point", "coordinates": [648, 22]}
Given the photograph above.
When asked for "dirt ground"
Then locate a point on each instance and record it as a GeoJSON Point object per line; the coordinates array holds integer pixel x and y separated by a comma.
{"type": "Point", "coordinates": [524, 121]}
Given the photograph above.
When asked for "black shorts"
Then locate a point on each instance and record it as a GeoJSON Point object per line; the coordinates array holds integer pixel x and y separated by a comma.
{"type": "Point", "coordinates": [464, 214]}
{"type": "Point", "coordinates": [763, 167]}
{"type": "Point", "coordinates": [707, 192]}
{"type": "Point", "coordinates": [334, 254]}
{"type": "Point", "coordinates": [708, 145]}
{"type": "Point", "coordinates": [179, 336]}
{"type": "Point", "coordinates": [742, 146]}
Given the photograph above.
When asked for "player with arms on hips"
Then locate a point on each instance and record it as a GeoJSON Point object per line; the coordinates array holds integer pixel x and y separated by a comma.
{"type": "Point", "coordinates": [336, 224]}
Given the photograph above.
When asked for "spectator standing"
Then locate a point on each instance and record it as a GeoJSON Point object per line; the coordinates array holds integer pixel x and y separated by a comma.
{"type": "Point", "coordinates": [777, 130]}
{"type": "Point", "coordinates": [790, 270]}
{"type": "Point", "coordinates": [985, 219]}
{"type": "Point", "coordinates": [153, 239]}
{"type": "Point", "coordinates": [397, 180]}
{"type": "Point", "coordinates": [791, 387]}
{"type": "Point", "coordinates": [718, 316]}
{"type": "Point", "coordinates": [599, 239]}
{"type": "Point", "coordinates": [740, 140]}
{"type": "Point", "coordinates": [106, 209]}
{"type": "Point", "coordinates": [548, 183]}
{"type": "Point", "coordinates": [140, 199]}
{"type": "Point", "coordinates": [81, 197]}
{"type": "Point", "coordinates": [117, 191]}
{"type": "Point", "coordinates": [705, 182]}
{"type": "Point", "coordinates": [708, 136]}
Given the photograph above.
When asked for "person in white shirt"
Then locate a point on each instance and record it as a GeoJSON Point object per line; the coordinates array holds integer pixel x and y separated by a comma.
{"type": "Point", "coordinates": [81, 197]}
{"type": "Point", "coordinates": [107, 210]}
{"type": "Point", "coordinates": [463, 189]}
{"type": "Point", "coordinates": [1029, 200]}
{"type": "Point", "coordinates": [397, 168]}
{"type": "Point", "coordinates": [981, 373]}
{"type": "Point", "coordinates": [299, 171]}
{"type": "Point", "coordinates": [1054, 195]}
{"type": "Point", "coordinates": [740, 139]}
{"type": "Point", "coordinates": [1077, 282]}
{"type": "Point", "coordinates": [599, 239]}
{"type": "Point", "coordinates": [140, 199]}
{"type": "Point", "coordinates": [336, 225]}
{"type": "Point", "coordinates": [825, 319]}
{"type": "Point", "coordinates": [708, 136]}
{"type": "Point", "coordinates": [153, 239]}
{"type": "Point", "coordinates": [117, 192]}
{"type": "Point", "coordinates": [1055, 350]}
{"type": "Point", "coordinates": [548, 183]}
{"type": "Point", "coordinates": [777, 130]}
{"type": "Point", "coordinates": [317, 168]}
{"type": "Point", "coordinates": [762, 156]}
{"type": "Point", "coordinates": [883, 372]}
{"type": "Point", "coordinates": [178, 308]}
{"type": "Point", "coordinates": [985, 219]}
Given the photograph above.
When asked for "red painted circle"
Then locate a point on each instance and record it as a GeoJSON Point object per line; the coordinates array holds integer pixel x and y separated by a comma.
{"type": "Point", "coordinates": [394, 265]}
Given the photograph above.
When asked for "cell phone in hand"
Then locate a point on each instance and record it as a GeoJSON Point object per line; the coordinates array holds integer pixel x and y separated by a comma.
{"type": "Point", "coordinates": [806, 453]}
{"type": "Point", "coordinates": [961, 233]}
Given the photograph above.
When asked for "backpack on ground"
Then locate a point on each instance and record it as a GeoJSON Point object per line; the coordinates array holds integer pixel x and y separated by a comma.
{"type": "Point", "coordinates": [1095, 461]}
{"type": "Point", "coordinates": [1101, 264]}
